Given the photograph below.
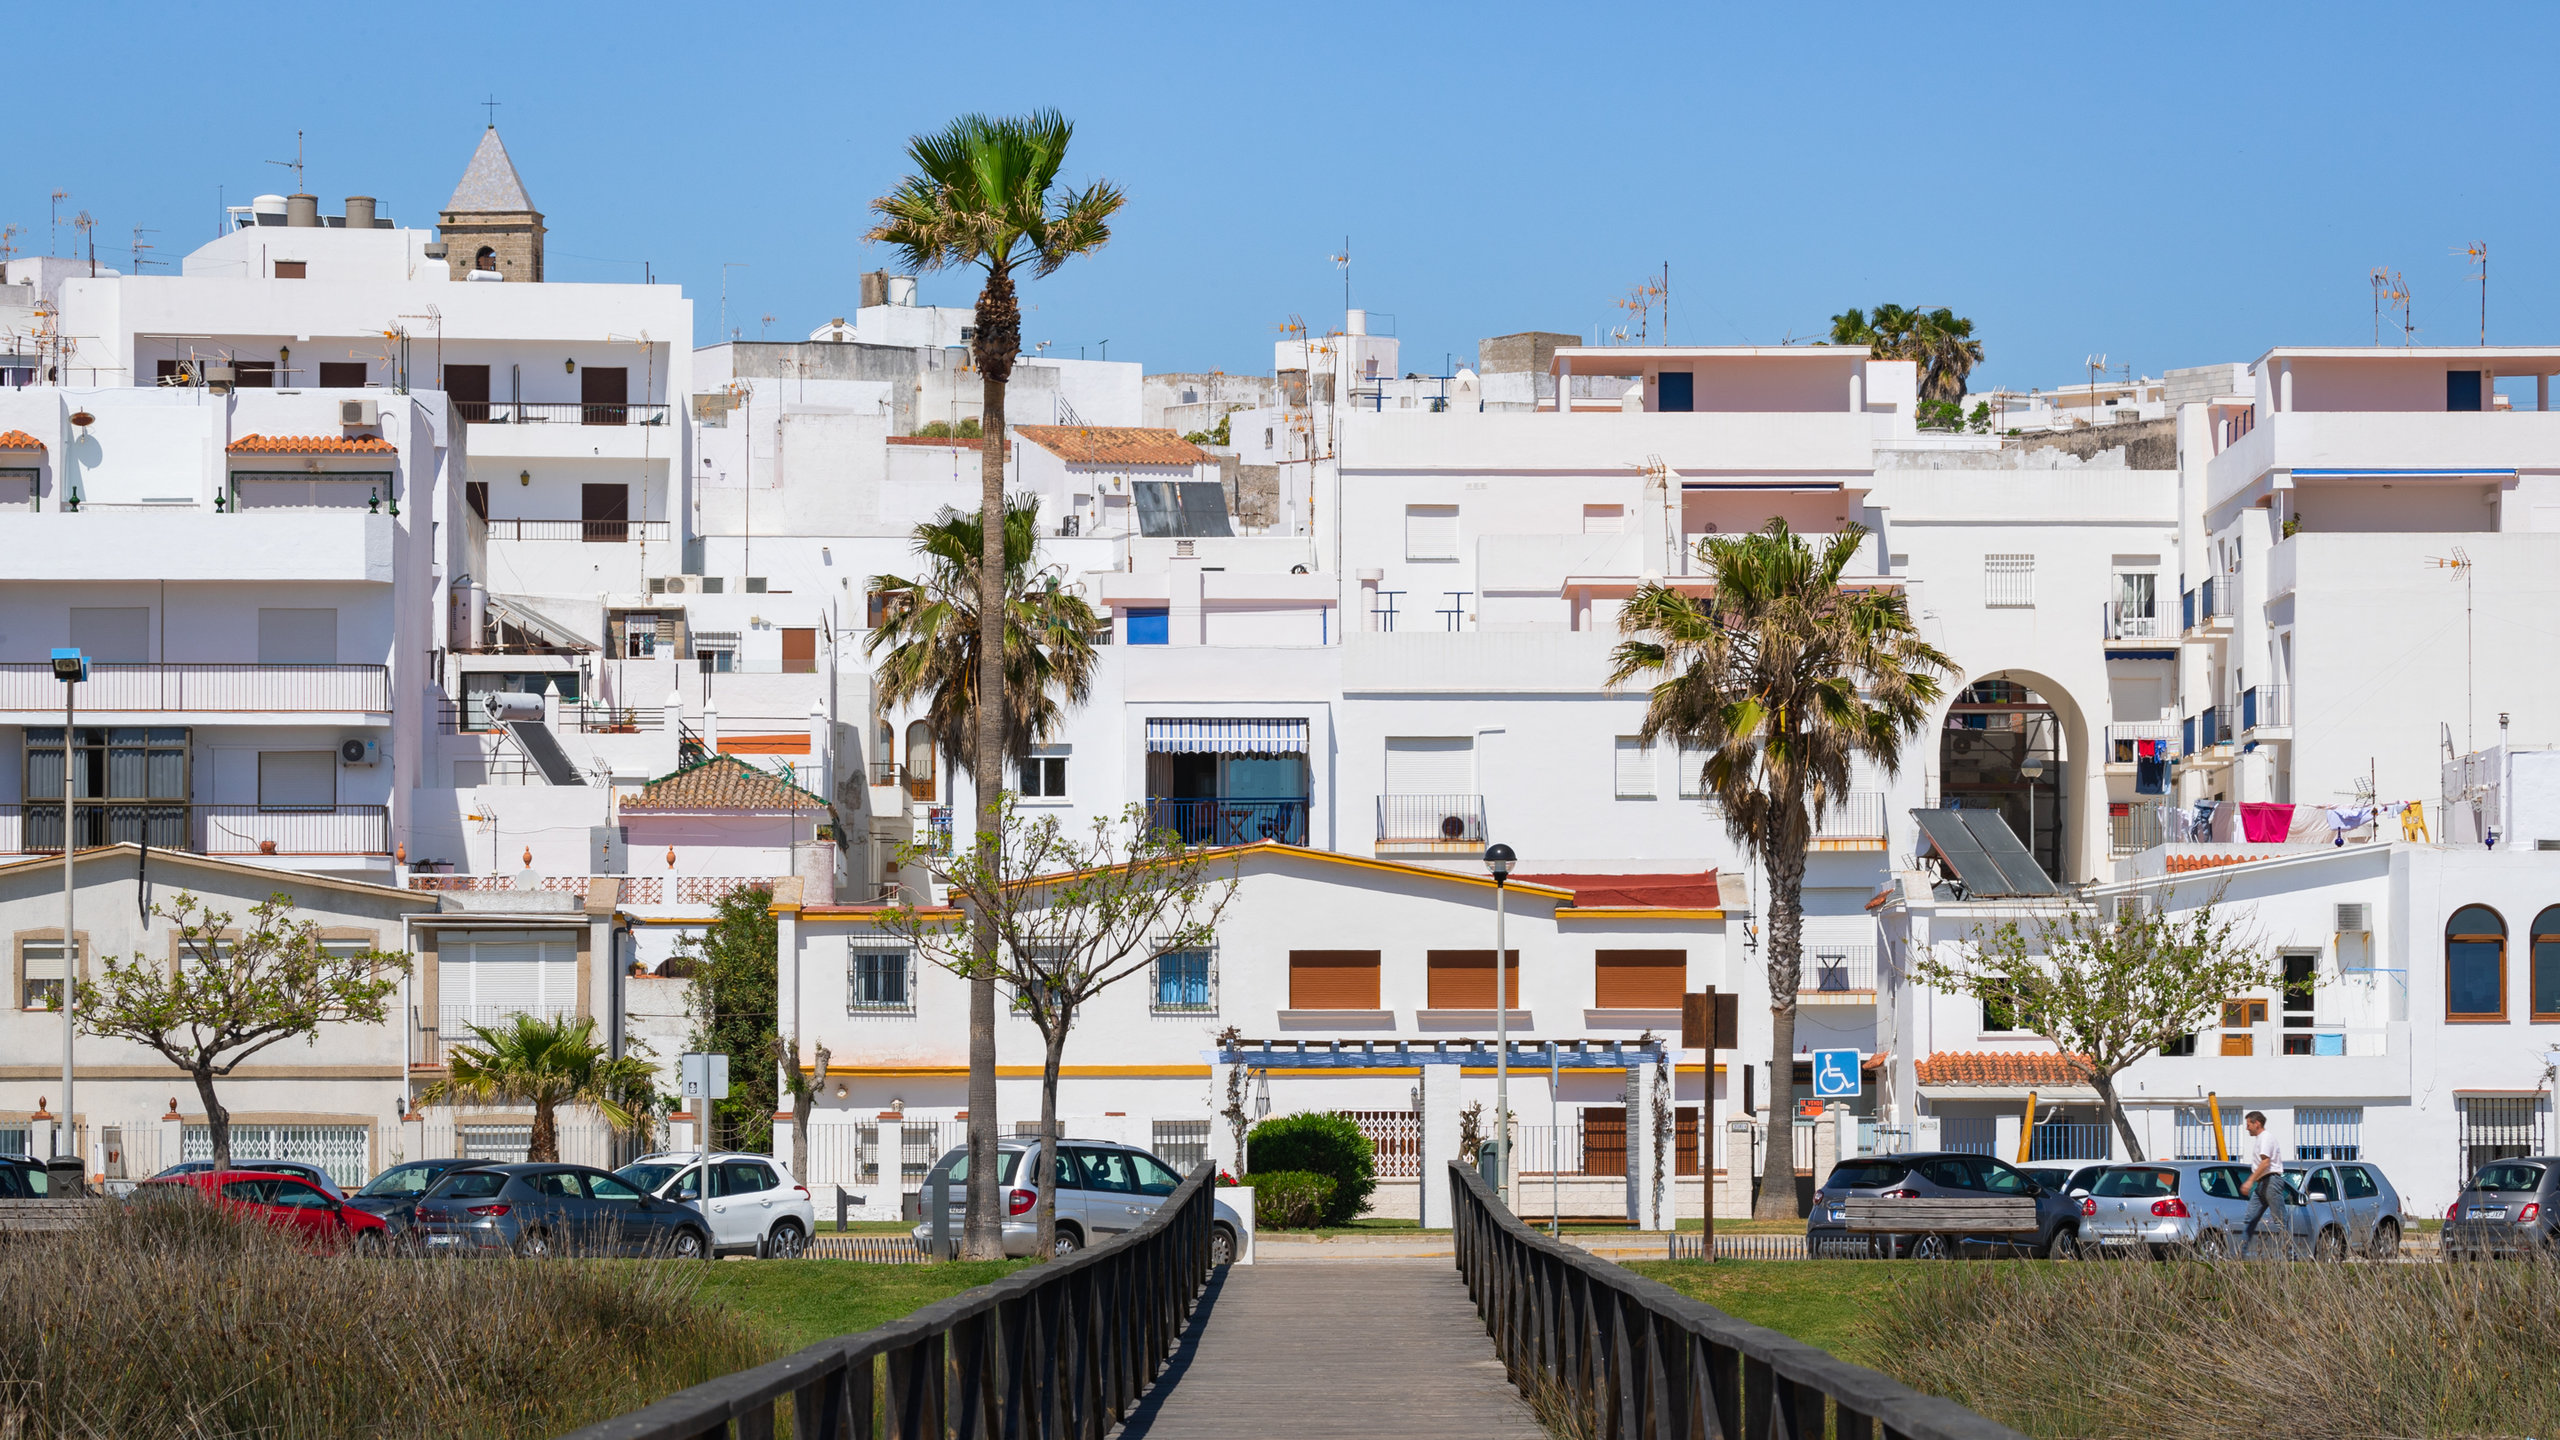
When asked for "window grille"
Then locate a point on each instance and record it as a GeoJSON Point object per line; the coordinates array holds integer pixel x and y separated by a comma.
{"type": "Point", "coordinates": [2328, 1132]}
{"type": "Point", "coordinates": [877, 978]}
{"type": "Point", "coordinates": [1182, 1144]}
{"type": "Point", "coordinates": [2009, 580]}
{"type": "Point", "coordinates": [1186, 983]}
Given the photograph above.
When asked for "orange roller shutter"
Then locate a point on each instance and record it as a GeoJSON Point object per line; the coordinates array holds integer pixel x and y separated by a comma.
{"type": "Point", "coordinates": [1463, 979]}
{"type": "Point", "coordinates": [1640, 979]}
{"type": "Point", "coordinates": [1333, 979]}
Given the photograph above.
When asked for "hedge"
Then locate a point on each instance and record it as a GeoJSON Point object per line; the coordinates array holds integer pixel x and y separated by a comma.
{"type": "Point", "coordinates": [1290, 1199]}
{"type": "Point", "coordinates": [1321, 1144]}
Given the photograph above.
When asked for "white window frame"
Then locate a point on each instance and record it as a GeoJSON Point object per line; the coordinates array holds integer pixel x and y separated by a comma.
{"type": "Point", "coordinates": [1052, 760]}
{"type": "Point", "coordinates": [1624, 782]}
{"type": "Point", "coordinates": [1429, 541]}
{"type": "Point", "coordinates": [2009, 581]}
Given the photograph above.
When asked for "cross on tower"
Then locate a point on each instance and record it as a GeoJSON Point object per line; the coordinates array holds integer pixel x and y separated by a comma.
{"type": "Point", "coordinates": [492, 104]}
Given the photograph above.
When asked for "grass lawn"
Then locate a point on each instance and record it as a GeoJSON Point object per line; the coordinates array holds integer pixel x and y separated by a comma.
{"type": "Point", "coordinates": [800, 1302]}
{"type": "Point", "coordinates": [1821, 1302]}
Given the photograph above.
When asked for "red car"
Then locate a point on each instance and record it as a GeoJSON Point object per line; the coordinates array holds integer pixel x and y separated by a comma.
{"type": "Point", "coordinates": [319, 1219]}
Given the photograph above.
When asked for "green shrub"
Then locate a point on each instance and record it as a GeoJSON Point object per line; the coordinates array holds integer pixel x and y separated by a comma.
{"type": "Point", "coordinates": [1329, 1145]}
{"type": "Point", "coordinates": [1290, 1199]}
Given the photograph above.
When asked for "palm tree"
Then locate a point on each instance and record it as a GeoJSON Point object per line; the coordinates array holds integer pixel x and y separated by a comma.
{"type": "Point", "coordinates": [546, 1062]}
{"type": "Point", "coordinates": [926, 646]}
{"type": "Point", "coordinates": [1939, 341]}
{"type": "Point", "coordinates": [1783, 679]}
{"type": "Point", "coordinates": [985, 192]}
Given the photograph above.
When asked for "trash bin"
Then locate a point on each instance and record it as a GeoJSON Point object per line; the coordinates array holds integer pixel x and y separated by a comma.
{"type": "Point", "coordinates": [65, 1178]}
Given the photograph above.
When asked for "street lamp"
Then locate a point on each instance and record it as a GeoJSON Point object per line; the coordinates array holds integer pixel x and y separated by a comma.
{"type": "Point", "coordinates": [70, 667]}
{"type": "Point", "coordinates": [1498, 859]}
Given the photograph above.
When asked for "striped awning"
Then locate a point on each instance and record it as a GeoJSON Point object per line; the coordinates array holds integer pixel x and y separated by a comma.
{"type": "Point", "coordinates": [1227, 737]}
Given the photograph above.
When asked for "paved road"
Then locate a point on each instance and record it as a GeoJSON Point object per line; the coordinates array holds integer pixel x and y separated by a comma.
{"type": "Point", "coordinates": [1348, 1349]}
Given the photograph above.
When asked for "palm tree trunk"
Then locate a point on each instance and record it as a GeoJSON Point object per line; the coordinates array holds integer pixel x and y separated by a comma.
{"type": "Point", "coordinates": [1785, 863]}
{"type": "Point", "coordinates": [545, 1141]}
{"type": "Point", "coordinates": [2106, 1086]}
{"type": "Point", "coordinates": [217, 1120]}
{"type": "Point", "coordinates": [999, 335]}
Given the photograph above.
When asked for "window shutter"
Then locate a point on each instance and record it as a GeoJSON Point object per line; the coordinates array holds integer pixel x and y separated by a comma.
{"type": "Point", "coordinates": [1693, 770]}
{"type": "Point", "coordinates": [2009, 580]}
{"type": "Point", "coordinates": [1635, 769]}
{"type": "Point", "coordinates": [1431, 765]}
{"type": "Point", "coordinates": [43, 959]}
{"type": "Point", "coordinates": [1431, 532]}
{"type": "Point", "coordinates": [1640, 979]}
{"type": "Point", "coordinates": [1333, 979]}
{"type": "Point", "coordinates": [1463, 979]}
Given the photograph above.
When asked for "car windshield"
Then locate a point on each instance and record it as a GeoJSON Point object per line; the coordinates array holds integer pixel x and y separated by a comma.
{"type": "Point", "coordinates": [2508, 1178]}
{"type": "Point", "coordinates": [648, 1175]}
{"type": "Point", "coordinates": [1860, 1174]}
{"type": "Point", "coordinates": [1006, 1160]}
{"type": "Point", "coordinates": [403, 1181]}
{"type": "Point", "coordinates": [469, 1185]}
{"type": "Point", "coordinates": [2135, 1182]}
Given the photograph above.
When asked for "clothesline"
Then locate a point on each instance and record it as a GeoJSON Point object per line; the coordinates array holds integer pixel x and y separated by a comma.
{"type": "Point", "coordinates": [2270, 823]}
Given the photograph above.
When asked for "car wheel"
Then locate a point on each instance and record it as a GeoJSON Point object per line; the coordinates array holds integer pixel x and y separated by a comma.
{"type": "Point", "coordinates": [2329, 1246]}
{"type": "Point", "coordinates": [2065, 1246]}
{"type": "Point", "coordinates": [2213, 1245]}
{"type": "Point", "coordinates": [533, 1245]}
{"type": "Point", "coordinates": [688, 1245]}
{"type": "Point", "coordinates": [785, 1242]}
{"type": "Point", "coordinates": [1222, 1246]}
{"type": "Point", "coordinates": [1931, 1247]}
{"type": "Point", "coordinates": [371, 1245]}
{"type": "Point", "coordinates": [2386, 1241]}
{"type": "Point", "coordinates": [1069, 1241]}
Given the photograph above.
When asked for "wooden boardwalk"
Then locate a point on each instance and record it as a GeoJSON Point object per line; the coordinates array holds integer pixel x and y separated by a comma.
{"type": "Point", "coordinates": [1347, 1349]}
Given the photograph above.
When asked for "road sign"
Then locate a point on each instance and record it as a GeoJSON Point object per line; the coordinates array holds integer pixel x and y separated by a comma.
{"type": "Point", "coordinates": [704, 1077]}
{"type": "Point", "coordinates": [1836, 1076]}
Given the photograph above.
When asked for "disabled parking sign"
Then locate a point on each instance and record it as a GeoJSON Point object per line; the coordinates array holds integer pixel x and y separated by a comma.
{"type": "Point", "coordinates": [1836, 1075]}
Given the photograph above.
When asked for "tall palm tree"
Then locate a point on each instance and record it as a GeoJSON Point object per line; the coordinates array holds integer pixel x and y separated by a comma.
{"type": "Point", "coordinates": [985, 192]}
{"type": "Point", "coordinates": [1784, 679]}
{"type": "Point", "coordinates": [1939, 341]}
{"type": "Point", "coordinates": [546, 1062]}
{"type": "Point", "coordinates": [926, 646]}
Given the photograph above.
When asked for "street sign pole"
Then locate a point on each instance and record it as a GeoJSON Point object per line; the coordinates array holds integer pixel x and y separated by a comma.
{"type": "Point", "coordinates": [704, 1078]}
{"type": "Point", "coordinates": [1707, 1024]}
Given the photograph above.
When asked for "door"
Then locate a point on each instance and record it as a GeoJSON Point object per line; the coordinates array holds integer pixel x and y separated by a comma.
{"type": "Point", "coordinates": [308, 1212]}
{"type": "Point", "coordinates": [605, 513]}
{"type": "Point", "coordinates": [605, 394]}
{"type": "Point", "coordinates": [621, 1225]}
{"type": "Point", "coordinates": [2363, 1200]}
{"type": "Point", "coordinates": [2224, 1205]}
{"type": "Point", "coordinates": [467, 386]}
{"type": "Point", "coordinates": [1109, 1183]}
{"type": "Point", "coordinates": [559, 1209]}
{"type": "Point", "coordinates": [799, 651]}
{"type": "Point", "coordinates": [2318, 1204]}
{"type": "Point", "coordinates": [2008, 1183]}
{"type": "Point", "coordinates": [741, 1202]}
{"type": "Point", "coordinates": [1155, 1180]}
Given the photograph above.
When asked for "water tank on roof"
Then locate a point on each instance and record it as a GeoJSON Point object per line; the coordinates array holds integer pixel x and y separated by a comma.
{"type": "Point", "coordinates": [269, 209]}
{"type": "Point", "coordinates": [902, 289]}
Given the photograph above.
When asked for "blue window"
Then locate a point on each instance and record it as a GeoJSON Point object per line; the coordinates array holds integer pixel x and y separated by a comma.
{"type": "Point", "coordinates": [2475, 965]}
{"type": "Point", "coordinates": [1678, 392]}
{"type": "Point", "coordinates": [1149, 627]}
{"type": "Point", "coordinates": [1182, 981]}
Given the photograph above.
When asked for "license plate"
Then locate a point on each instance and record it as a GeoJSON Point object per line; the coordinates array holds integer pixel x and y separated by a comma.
{"type": "Point", "coordinates": [1839, 1215]}
{"type": "Point", "coordinates": [2488, 1212]}
{"type": "Point", "coordinates": [442, 1239]}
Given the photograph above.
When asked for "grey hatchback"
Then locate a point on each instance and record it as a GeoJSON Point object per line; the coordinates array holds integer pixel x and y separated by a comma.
{"type": "Point", "coordinates": [537, 1210]}
{"type": "Point", "coordinates": [1937, 1176]}
{"type": "Point", "coordinates": [2342, 1208]}
{"type": "Point", "coordinates": [2507, 1209]}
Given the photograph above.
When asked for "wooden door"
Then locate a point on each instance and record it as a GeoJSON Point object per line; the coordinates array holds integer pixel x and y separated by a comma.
{"type": "Point", "coordinates": [799, 651]}
{"type": "Point", "coordinates": [605, 394]}
{"type": "Point", "coordinates": [1604, 1140]}
{"type": "Point", "coordinates": [606, 511]}
{"type": "Point", "coordinates": [467, 386]}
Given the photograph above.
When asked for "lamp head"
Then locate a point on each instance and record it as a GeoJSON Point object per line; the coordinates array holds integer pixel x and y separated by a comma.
{"type": "Point", "coordinates": [1499, 860]}
{"type": "Point", "coordinates": [69, 664]}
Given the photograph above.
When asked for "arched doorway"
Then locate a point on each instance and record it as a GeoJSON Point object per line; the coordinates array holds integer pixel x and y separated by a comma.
{"type": "Point", "coordinates": [2003, 748]}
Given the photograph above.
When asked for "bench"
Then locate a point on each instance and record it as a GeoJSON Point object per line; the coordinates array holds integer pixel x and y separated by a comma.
{"type": "Point", "coordinates": [1941, 1215]}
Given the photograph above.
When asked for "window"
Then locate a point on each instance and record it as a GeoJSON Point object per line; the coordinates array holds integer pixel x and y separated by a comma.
{"type": "Point", "coordinates": [1463, 979]}
{"type": "Point", "coordinates": [756, 585]}
{"type": "Point", "coordinates": [2301, 970]}
{"type": "Point", "coordinates": [2475, 964]}
{"type": "Point", "coordinates": [1149, 626]}
{"type": "Point", "coordinates": [297, 779]}
{"type": "Point", "coordinates": [2009, 580]}
{"type": "Point", "coordinates": [485, 977]}
{"type": "Point", "coordinates": [40, 973]}
{"type": "Point", "coordinates": [1044, 777]}
{"type": "Point", "coordinates": [1333, 979]}
{"type": "Point", "coordinates": [130, 782]}
{"type": "Point", "coordinates": [2183, 1045]}
{"type": "Point", "coordinates": [1185, 983]}
{"type": "Point", "coordinates": [301, 270]}
{"type": "Point", "coordinates": [1677, 391]}
{"type": "Point", "coordinates": [297, 637]}
{"type": "Point", "coordinates": [1182, 1143]}
{"type": "Point", "coordinates": [876, 979]}
{"type": "Point", "coordinates": [1431, 532]}
{"type": "Point", "coordinates": [1640, 979]}
{"type": "Point", "coordinates": [2220, 1182]}
{"type": "Point", "coordinates": [1635, 768]}
{"type": "Point", "coordinates": [475, 493]}
{"type": "Point", "coordinates": [604, 512]}
{"type": "Point", "coordinates": [800, 650]}
{"type": "Point", "coordinates": [1431, 765]}
{"type": "Point", "coordinates": [1693, 772]}
{"type": "Point", "coordinates": [342, 374]}
{"type": "Point", "coordinates": [2546, 964]}
{"type": "Point", "coordinates": [1604, 519]}
{"type": "Point", "coordinates": [1998, 1015]}
{"type": "Point", "coordinates": [2328, 1132]}
{"type": "Point", "coordinates": [118, 633]}
{"type": "Point", "coordinates": [2241, 1014]}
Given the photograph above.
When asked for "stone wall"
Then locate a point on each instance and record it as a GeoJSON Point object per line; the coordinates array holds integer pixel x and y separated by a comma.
{"type": "Point", "coordinates": [2146, 444]}
{"type": "Point", "coordinates": [515, 236]}
{"type": "Point", "coordinates": [1528, 351]}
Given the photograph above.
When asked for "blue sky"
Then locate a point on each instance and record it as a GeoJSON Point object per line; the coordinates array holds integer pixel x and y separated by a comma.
{"type": "Point", "coordinates": [2168, 186]}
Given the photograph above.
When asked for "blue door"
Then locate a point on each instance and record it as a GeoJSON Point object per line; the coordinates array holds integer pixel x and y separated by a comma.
{"type": "Point", "coordinates": [2462, 389]}
{"type": "Point", "coordinates": [1149, 627]}
{"type": "Point", "coordinates": [1679, 392]}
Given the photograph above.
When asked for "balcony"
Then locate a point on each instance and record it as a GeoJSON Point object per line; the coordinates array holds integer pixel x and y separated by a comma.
{"type": "Point", "coordinates": [1433, 823]}
{"type": "Point", "coordinates": [2128, 622]}
{"type": "Point", "coordinates": [605, 532]}
{"type": "Point", "coordinates": [2209, 604]}
{"type": "Point", "coordinates": [2209, 729]}
{"type": "Point", "coordinates": [453, 1025]}
{"type": "Point", "coordinates": [557, 412]}
{"type": "Point", "coordinates": [2134, 828]}
{"type": "Point", "coordinates": [202, 688]}
{"type": "Point", "coordinates": [1232, 820]}
{"type": "Point", "coordinates": [2125, 737]}
{"type": "Point", "coordinates": [234, 830]}
{"type": "Point", "coordinates": [1855, 823]}
{"type": "Point", "coordinates": [2266, 707]}
{"type": "Point", "coordinates": [1837, 975]}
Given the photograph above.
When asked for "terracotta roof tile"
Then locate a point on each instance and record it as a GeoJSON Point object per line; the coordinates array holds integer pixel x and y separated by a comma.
{"type": "Point", "coordinates": [1112, 444]}
{"type": "Point", "coordinates": [723, 782]}
{"type": "Point", "coordinates": [949, 442]}
{"type": "Point", "coordinates": [2002, 1067]}
{"type": "Point", "coordinates": [19, 440]}
{"type": "Point", "coordinates": [1677, 891]}
{"type": "Point", "coordinates": [313, 445]}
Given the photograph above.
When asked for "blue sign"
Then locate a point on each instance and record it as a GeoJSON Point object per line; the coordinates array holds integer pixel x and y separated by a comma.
{"type": "Point", "coordinates": [1836, 1076]}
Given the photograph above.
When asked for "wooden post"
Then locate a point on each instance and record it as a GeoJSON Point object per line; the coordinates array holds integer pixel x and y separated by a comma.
{"type": "Point", "coordinates": [1708, 1022]}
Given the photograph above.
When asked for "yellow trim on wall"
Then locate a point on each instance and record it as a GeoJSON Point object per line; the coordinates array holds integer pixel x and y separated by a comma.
{"type": "Point", "coordinates": [1013, 1072]}
{"type": "Point", "coordinates": [1629, 912]}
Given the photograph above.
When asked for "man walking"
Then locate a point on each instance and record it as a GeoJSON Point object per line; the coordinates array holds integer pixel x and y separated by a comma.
{"type": "Point", "coordinates": [2265, 1186]}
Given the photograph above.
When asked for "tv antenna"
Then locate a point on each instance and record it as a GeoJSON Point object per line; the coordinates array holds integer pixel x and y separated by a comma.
{"type": "Point", "coordinates": [2390, 291]}
{"type": "Point", "coordinates": [294, 164]}
{"type": "Point", "coordinates": [1343, 262]}
{"type": "Point", "coordinates": [139, 247]}
{"type": "Point", "coordinates": [2461, 563]}
{"type": "Point", "coordinates": [2478, 251]}
{"type": "Point", "coordinates": [53, 222]}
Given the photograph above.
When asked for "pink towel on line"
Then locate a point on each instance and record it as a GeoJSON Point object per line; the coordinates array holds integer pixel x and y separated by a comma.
{"type": "Point", "coordinates": [2265, 824]}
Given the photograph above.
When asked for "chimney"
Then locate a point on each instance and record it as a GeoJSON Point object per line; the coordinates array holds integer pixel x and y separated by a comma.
{"type": "Point", "coordinates": [359, 212]}
{"type": "Point", "coordinates": [875, 288]}
{"type": "Point", "coordinates": [302, 210]}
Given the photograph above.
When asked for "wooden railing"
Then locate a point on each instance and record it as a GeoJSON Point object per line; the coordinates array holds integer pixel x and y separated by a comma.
{"type": "Point", "coordinates": [1060, 1351]}
{"type": "Point", "coordinates": [1634, 1360]}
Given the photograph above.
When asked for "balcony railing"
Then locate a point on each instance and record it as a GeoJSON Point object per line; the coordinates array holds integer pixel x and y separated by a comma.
{"type": "Point", "coordinates": [558, 412]}
{"type": "Point", "coordinates": [1859, 815]}
{"type": "Point", "coordinates": [2137, 829]}
{"type": "Point", "coordinates": [1431, 820]}
{"type": "Point", "coordinates": [602, 532]}
{"type": "Point", "coordinates": [2126, 620]}
{"type": "Point", "coordinates": [2210, 601]}
{"type": "Point", "coordinates": [2209, 731]}
{"type": "Point", "coordinates": [36, 829]}
{"type": "Point", "coordinates": [2266, 707]}
{"type": "Point", "coordinates": [1239, 820]}
{"type": "Point", "coordinates": [1838, 970]}
{"type": "Point", "coordinates": [2125, 737]}
{"type": "Point", "coordinates": [884, 772]}
{"type": "Point", "coordinates": [628, 889]}
{"type": "Point", "coordinates": [452, 1026]}
{"type": "Point", "coordinates": [205, 687]}
{"type": "Point", "coordinates": [620, 719]}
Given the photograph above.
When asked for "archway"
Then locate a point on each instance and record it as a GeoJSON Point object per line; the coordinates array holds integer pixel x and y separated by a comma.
{"type": "Point", "coordinates": [2015, 742]}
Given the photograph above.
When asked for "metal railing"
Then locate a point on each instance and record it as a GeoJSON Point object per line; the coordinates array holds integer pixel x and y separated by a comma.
{"type": "Point", "coordinates": [2138, 829]}
{"type": "Point", "coordinates": [2209, 728]}
{"type": "Point", "coordinates": [1635, 1360]}
{"type": "Point", "coordinates": [1056, 1351]}
{"type": "Point", "coordinates": [608, 532]}
{"type": "Point", "coordinates": [1431, 820]}
{"type": "Point", "coordinates": [1859, 815]}
{"type": "Point", "coordinates": [1838, 969]}
{"type": "Point", "coordinates": [884, 772]}
{"type": "Point", "coordinates": [620, 719]}
{"type": "Point", "coordinates": [36, 829]}
{"type": "Point", "coordinates": [2067, 1142]}
{"type": "Point", "coordinates": [2268, 706]}
{"type": "Point", "coordinates": [559, 412]}
{"type": "Point", "coordinates": [2125, 737]}
{"type": "Point", "coordinates": [1231, 821]}
{"type": "Point", "coordinates": [2126, 620]}
{"type": "Point", "coordinates": [192, 685]}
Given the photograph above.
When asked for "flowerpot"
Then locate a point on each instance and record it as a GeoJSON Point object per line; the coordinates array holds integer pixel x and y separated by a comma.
{"type": "Point", "coordinates": [266, 847]}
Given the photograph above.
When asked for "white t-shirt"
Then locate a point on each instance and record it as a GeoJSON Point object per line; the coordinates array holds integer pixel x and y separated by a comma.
{"type": "Point", "coordinates": [2262, 1146]}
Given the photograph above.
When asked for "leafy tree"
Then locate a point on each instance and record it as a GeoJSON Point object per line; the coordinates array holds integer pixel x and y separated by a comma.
{"type": "Point", "coordinates": [547, 1061]}
{"type": "Point", "coordinates": [236, 990]}
{"type": "Point", "coordinates": [1939, 341]}
{"type": "Point", "coordinates": [736, 1010]}
{"type": "Point", "coordinates": [1979, 422]}
{"type": "Point", "coordinates": [1216, 435]}
{"type": "Point", "coordinates": [1784, 678]}
{"type": "Point", "coordinates": [2108, 992]}
{"type": "Point", "coordinates": [985, 192]}
{"type": "Point", "coordinates": [1073, 915]}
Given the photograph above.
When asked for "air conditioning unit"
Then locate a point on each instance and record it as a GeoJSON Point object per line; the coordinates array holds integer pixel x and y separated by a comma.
{"type": "Point", "coordinates": [359, 412]}
{"type": "Point", "coordinates": [2354, 919]}
{"type": "Point", "coordinates": [352, 751]}
{"type": "Point", "coordinates": [672, 585]}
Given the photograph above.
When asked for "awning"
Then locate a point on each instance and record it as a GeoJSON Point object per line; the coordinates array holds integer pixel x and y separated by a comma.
{"type": "Point", "coordinates": [1227, 737]}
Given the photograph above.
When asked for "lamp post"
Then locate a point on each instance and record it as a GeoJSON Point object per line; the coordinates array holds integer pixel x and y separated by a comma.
{"type": "Point", "coordinates": [1499, 859]}
{"type": "Point", "coordinates": [70, 667]}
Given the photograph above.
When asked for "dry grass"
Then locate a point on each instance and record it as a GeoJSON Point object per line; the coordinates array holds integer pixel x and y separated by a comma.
{"type": "Point", "coordinates": [169, 1320]}
{"type": "Point", "coordinates": [2210, 1351]}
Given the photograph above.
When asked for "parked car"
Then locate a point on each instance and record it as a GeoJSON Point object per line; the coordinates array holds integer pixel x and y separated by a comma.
{"type": "Point", "coordinates": [1938, 1176]}
{"type": "Point", "coordinates": [393, 1194]}
{"type": "Point", "coordinates": [321, 1220]}
{"type": "Point", "coordinates": [23, 1179]}
{"type": "Point", "coordinates": [2066, 1179]}
{"type": "Point", "coordinates": [540, 1209]}
{"type": "Point", "coordinates": [1103, 1188]}
{"type": "Point", "coordinates": [2512, 1207]}
{"type": "Point", "coordinates": [755, 1207]}
{"type": "Point", "coordinates": [2169, 1207]}
{"type": "Point", "coordinates": [299, 1169]}
{"type": "Point", "coordinates": [2344, 1207]}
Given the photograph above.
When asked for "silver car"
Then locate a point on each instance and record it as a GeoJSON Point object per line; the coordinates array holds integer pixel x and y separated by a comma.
{"type": "Point", "coordinates": [1103, 1188]}
{"type": "Point", "coordinates": [2187, 1207]}
{"type": "Point", "coordinates": [2512, 1207]}
{"type": "Point", "coordinates": [2344, 1207]}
